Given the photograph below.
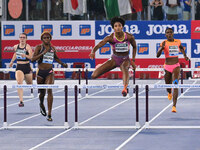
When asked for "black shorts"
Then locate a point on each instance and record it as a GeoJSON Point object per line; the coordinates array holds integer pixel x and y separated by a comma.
{"type": "Point", "coordinates": [44, 73]}
{"type": "Point", "coordinates": [25, 68]}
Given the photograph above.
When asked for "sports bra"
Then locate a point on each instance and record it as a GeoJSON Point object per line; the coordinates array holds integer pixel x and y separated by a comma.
{"type": "Point", "coordinates": [171, 48]}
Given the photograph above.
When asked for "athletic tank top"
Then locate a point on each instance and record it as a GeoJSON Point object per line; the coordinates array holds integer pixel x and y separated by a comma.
{"type": "Point", "coordinates": [171, 48]}
{"type": "Point", "coordinates": [120, 46]}
{"type": "Point", "coordinates": [19, 52]}
{"type": "Point", "coordinates": [48, 57]}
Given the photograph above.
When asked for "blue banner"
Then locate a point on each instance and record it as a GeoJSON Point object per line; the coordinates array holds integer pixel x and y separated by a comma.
{"type": "Point", "coordinates": [147, 29]}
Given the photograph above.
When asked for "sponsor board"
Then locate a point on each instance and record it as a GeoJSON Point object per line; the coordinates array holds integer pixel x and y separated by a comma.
{"type": "Point", "coordinates": [65, 48]}
{"type": "Point", "coordinates": [88, 63]}
{"type": "Point", "coordinates": [60, 29]}
{"type": "Point", "coordinates": [9, 30]}
{"type": "Point", "coordinates": [195, 29]}
{"type": "Point", "coordinates": [146, 29]}
{"type": "Point", "coordinates": [195, 51]}
{"type": "Point", "coordinates": [144, 63]}
{"type": "Point", "coordinates": [28, 29]}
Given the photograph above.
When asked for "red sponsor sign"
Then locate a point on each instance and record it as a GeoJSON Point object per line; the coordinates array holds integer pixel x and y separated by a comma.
{"type": "Point", "coordinates": [145, 63]}
{"type": "Point", "coordinates": [65, 48]}
{"type": "Point", "coordinates": [195, 29]}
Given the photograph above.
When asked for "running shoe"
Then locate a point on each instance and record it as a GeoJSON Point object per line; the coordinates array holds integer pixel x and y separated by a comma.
{"type": "Point", "coordinates": [42, 109]}
{"type": "Point", "coordinates": [170, 96]}
{"type": "Point", "coordinates": [21, 104]}
{"type": "Point", "coordinates": [124, 92]}
{"type": "Point", "coordinates": [49, 118]}
{"type": "Point", "coordinates": [174, 109]}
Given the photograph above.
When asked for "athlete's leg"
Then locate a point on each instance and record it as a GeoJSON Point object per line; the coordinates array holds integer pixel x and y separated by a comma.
{"type": "Point", "coordinates": [105, 67]}
{"type": "Point", "coordinates": [29, 78]}
{"type": "Point", "coordinates": [42, 92]}
{"type": "Point", "coordinates": [125, 71]}
{"type": "Point", "coordinates": [19, 75]}
{"type": "Point", "coordinates": [175, 78]}
{"type": "Point", "coordinates": [49, 80]}
{"type": "Point", "coordinates": [168, 80]}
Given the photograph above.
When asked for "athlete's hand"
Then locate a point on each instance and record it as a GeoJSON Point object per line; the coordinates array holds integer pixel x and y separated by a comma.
{"type": "Point", "coordinates": [64, 65]}
{"type": "Point", "coordinates": [23, 55]}
{"type": "Point", "coordinates": [11, 64]}
{"type": "Point", "coordinates": [186, 58]}
{"type": "Point", "coordinates": [133, 65]}
{"type": "Point", "coordinates": [92, 55]}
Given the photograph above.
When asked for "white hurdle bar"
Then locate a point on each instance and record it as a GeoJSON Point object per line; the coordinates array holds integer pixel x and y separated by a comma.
{"type": "Point", "coordinates": [7, 126]}
{"type": "Point", "coordinates": [77, 126]}
{"type": "Point", "coordinates": [147, 124]}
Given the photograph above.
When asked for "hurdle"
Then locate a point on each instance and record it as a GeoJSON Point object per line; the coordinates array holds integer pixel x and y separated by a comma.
{"type": "Point", "coordinates": [7, 126]}
{"type": "Point", "coordinates": [80, 126]}
{"type": "Point", "coordinates": [91, 96]}
{"type": "Point", "coordinates": [147, 123]}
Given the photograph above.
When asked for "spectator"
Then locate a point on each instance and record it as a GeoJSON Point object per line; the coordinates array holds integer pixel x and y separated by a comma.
{"type": "Point", "coordinates": [187, 9]}
{"type": "Point", "coordinates": [144, 12]}
{"type": "Point", "coordinates": [197, 15]}
{"type": "Point", "coordinates": [172, 11]}
{"type": "Point", "coordinates": [157, 9]}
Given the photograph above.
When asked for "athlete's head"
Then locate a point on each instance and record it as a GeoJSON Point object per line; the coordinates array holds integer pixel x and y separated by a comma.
{"type": "Point", "coordinates": [117, 24]}
{"type": "Point", "coordinates": [45, 35]}
{"type": "Point", "coordinates": [22, 37]}
{"type": "Point", "coordinates": [169, 33]}
{"type": "Point", "coordinates": [169, 29]}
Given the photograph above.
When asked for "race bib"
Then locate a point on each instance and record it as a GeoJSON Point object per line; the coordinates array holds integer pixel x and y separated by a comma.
{"type": "Point", "coordinates": [173, 50]}
{"type": "Point", "coordinates": [121, 47]}
{"type": "Point", "coordinates": [19, 52]}
{"type": "Point", "coordinates": [48, 58]}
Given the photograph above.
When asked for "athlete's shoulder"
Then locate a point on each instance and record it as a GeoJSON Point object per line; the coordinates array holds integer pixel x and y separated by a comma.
{"type": "Point", "coordinates": [177, 40]}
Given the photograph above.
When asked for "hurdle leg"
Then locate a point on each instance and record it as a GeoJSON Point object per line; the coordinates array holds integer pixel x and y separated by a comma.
{"type": "Point", "coordinates": [181, 79]}
{"type": "Point", "coordinates": [137, 124]}
{"type": "Point", "coordinates": [86, 78]}
{"type": "Point", "coordinates": [147, 106]}
{"type": "Point", "coordinates": [79, 82]}
{"type": "Point", "coordinates": [76, 106]}
{"type": "Point", "coordinates": [133, 80]}
{"type": "Point", "coordinates": [66, 125]}
{"type": "Point", "coordinates": [5, 124]}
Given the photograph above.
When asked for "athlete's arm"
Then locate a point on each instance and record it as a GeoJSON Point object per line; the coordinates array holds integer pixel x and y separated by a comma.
{"type": "Point", "coordinates": [14, 56]}
{"type": "Point", "coordinates": [161, 49]}
{"type": "Point", "coordinates": [102, 43]}
{"type": "Point", "coordinates": [29, 56]}
{"type": "Point", "coordinates": [58, 60]}
{"type": "Point", "coordinates": [36, 54]}
{"type": "Point", "coordinates": [183, 51]}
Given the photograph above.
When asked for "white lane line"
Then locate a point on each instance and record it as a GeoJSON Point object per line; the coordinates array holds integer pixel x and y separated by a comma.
{"type": "Point", "coordinates": [56, 136]}
{"type": "Point", "coordinates": [143, 127]}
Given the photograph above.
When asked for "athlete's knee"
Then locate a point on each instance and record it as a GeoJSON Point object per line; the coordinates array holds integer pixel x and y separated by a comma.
{"type": "Point", "coordinates": [42, 92]}
{"type": "Point", "coordinates": [49, 91]}
{"type": "Point", "coordinates": [94, 76]}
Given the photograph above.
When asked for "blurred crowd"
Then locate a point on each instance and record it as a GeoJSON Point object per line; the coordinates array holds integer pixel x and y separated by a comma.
{"type": "Point", "coordinates": [95, 10]}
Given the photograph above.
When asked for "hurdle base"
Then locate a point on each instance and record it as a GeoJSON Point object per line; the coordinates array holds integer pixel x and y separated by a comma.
{"type": "Point", "coordinates": [66, 125]}
{"type": "Point", "coordinates": [76, 126]}
{"type": "Point", "coordinates": [146, 125]}
{"type": "Point", "coordinates": [137, 125]}
{"type": "Point", "coordinates": [79, 95]}
{"type": "Point", "coordinates": [5, 125]}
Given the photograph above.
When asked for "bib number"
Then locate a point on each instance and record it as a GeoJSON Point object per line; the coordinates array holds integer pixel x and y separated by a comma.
{"type": "Point", "coordinates": [121, 47]}
{"type": "Point", "coordinates": [48, 58]}
{"type": "Point", "coordinates": [19, 52]}
{"type": "Point", "coordinates": [173, 50]}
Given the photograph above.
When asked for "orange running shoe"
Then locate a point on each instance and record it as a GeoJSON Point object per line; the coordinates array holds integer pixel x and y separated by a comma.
{"type": "Point", "coordinates": [170, 96]}
{"type": "Point", "coordinates": [174, 109]}
{"type": "Point", "coordinates": [124, 92]}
